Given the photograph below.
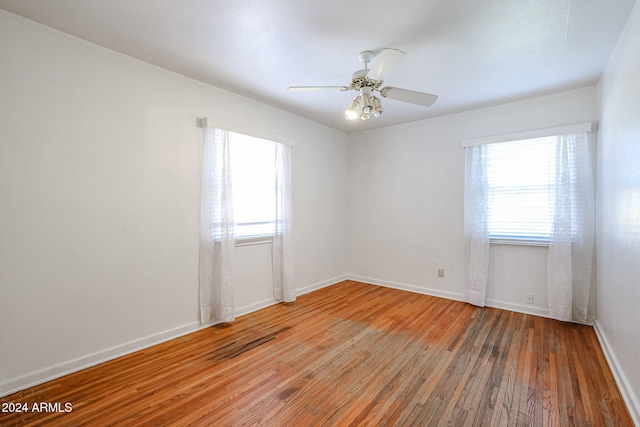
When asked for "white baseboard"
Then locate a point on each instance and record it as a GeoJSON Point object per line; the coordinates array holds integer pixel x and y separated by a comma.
{"type": "Point", "coordinates": [518, 308]}
{"type": "Point", "coordinates": [410, 288]}
{"type": "Point", "coordinates": [320, 285]}
{"type": "Point", "coordinates": [241, 311]}
{"type": "Point", "coordinates": [59, 370]}
{"type": "Point", "coordinates": [272, 301]}
{"type": "Point", "coordinates": [621, 379]}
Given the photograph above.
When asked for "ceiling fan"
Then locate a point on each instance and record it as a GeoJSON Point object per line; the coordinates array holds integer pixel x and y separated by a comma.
{"type": "Point", "coordinates": [368, 81]}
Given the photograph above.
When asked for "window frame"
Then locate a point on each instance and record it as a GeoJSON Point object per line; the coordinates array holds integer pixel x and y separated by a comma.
{"type": "Point", "coordinates": [236, 141]}
{"type": "Point", "coordinates": [522, 136]}
{"type": "Point", "coordinates": [528, 189]}
{"type": "Point", "coordinates": [254, 133]}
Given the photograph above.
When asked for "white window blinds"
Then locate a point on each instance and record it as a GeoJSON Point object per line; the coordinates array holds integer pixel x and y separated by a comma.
{"type": "Point", "coordinates": [518, 190]}
{"type": "Point", "coordinates": [254, 185]}
{"type": "Point", "coordinates": [521, 190]}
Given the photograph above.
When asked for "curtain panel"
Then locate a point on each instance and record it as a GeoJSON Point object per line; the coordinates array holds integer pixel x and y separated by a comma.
{"type": "Point", "coordinates": [283, 278]}
{"type": "Point", "coordinates": [476, 230]}
{"type": "Point", "coordinates": [570, 258]}
{"type": "Point", "coordinates": [217, 242]}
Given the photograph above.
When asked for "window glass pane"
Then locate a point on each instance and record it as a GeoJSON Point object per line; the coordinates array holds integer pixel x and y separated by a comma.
{"type": "Point", "coordinates": [254, 186]}
{"type": "Point", "coordinates": [518, 176]}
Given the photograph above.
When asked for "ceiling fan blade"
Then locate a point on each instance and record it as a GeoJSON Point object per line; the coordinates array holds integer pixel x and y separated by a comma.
{"type": "Point", "coordinates": [384, 63]}
{"type": "Point", "coordinates": [313, 88]}
{"type": "Point", "coordinates": [411, 96]}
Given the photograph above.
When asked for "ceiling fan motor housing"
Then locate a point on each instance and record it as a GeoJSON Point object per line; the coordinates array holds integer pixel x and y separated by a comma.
{"type": "Point", "coordinates": [359, 80]}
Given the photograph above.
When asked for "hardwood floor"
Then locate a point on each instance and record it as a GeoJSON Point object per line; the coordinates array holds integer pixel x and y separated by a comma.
{"type": "Point", "coordinates": [349, 354]}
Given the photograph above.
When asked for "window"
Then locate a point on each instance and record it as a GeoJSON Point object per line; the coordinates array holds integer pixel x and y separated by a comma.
{"type": "Point", "coordinates": [253, 171]}
{"type": "Point", "coordinates": [533, 190]}
{"type": "Point", "coordinates": [520, 190]}
{"type": "Point", "coordinates": [260, 171]}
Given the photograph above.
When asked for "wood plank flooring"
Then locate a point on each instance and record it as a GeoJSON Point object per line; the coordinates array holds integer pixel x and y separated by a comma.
{"type": "Point", "coordinates": [349, 354]}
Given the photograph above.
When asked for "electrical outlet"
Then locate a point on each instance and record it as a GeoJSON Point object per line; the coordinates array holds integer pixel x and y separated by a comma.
{"type": "Point", "coordinates": [441, 272]}
{"type": "Point", "coordinates": [529, 298]}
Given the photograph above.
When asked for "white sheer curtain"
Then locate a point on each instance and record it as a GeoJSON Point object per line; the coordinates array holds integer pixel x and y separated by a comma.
{"type": "Point", "coordinates": [283, 281]}
{"type": "Point", "coordinates": [569, 263]}
{"type": "Point", "coordinates": [476, 228]}
{"type": "Point", "coordinates": [216, 229]}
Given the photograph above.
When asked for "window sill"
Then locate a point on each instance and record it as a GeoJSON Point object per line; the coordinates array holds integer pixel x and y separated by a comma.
{"type": "Point", "coordinates": [518, 242]}
{"type": "Point", "coordinates": [256, 240]}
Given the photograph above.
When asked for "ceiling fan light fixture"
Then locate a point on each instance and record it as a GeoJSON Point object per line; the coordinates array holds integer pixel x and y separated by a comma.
{"type": "Point", "coordinates": [364, 106]}
{"type": "Point", "coordinates": [367, 103]}
{"type": "Point", "coordinates": [377, 107]}
{"type": "Point", "coordinates": [352, 113]}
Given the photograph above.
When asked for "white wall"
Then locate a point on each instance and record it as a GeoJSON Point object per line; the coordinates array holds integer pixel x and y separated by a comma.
{"type": "Point", "coordinates": [406, 202]}
{"type": "Point", "coordinates": [618, 232]}
{"type": "Point", "coordinates": [99, 189]}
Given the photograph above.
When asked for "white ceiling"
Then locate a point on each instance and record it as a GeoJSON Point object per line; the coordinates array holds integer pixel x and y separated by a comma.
{"type": "Point", "coordinates": [470, 53]}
